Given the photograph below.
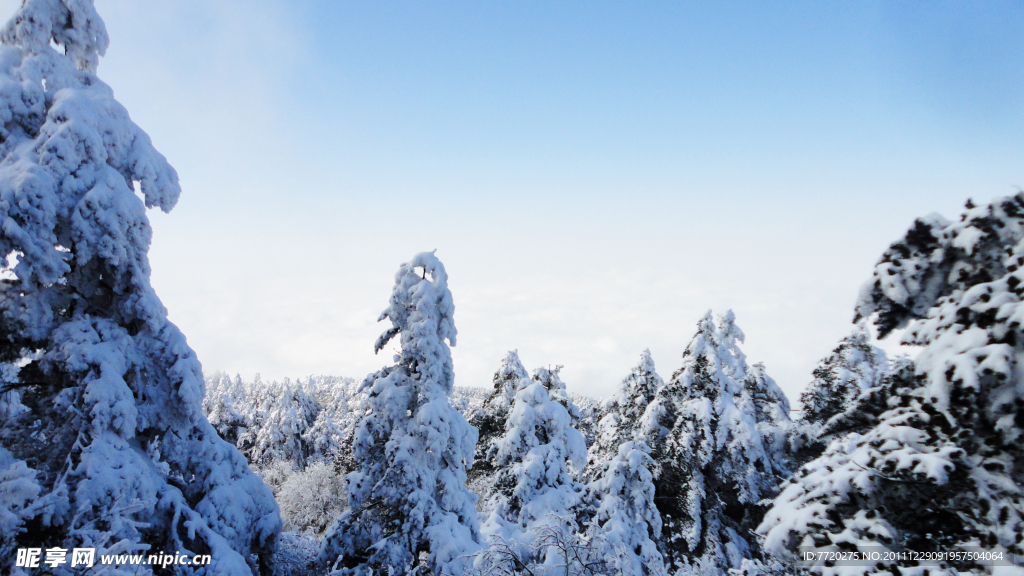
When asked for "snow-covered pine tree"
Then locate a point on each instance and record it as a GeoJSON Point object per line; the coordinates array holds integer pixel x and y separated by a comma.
{"type": "Point", "coordinates": [323, 440]}
{"type": "Point", "coordinates": [409, 507]}
{"type": "Point", "coordinates": [934, 461]}
{"type": "Point", "coordinates": [626, 524]}
{"type": "Point", "coordinates": [623, 413]}
{"type": "Point", "coordinates": [346, 404]}
{"type": "Point", "coordinates": [109, 421]}
{"type": "Point", "coordinates": [550, 379]}
{"type": "Point", "coordinates": [489, 419]}
{"type": "Point", "coordinates": [290, 414]}
{"type": "Point", "coordinates": [839, 378]}
{"type": "Point", "coordinates": [19, 500]}
{"type": "Point", "coordinates": [707, 432]}
{"type": "Point", "coordinates": [763, 398]}
{"type": "Point", "coordinates": [537, 492]}
{"type": "Point", "coordinates": [226, 406]}
{"type": "Point", "coordinates": [854, 366]}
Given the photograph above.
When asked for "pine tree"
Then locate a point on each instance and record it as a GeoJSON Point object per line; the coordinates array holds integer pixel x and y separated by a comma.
{"type": "Point", "coordinates": [551, 380]}
{"type": "Point", "coordinates": [853, 367]}
{"type": "Point", "coordinates": [290, 414]}
{"type": "Point", "coordinates": [226, 406]}
{"type": "Point", "coordinates": [769, 406]}
{"type": "Point", "coordinates": [408, 505]}
{"type": "Point", "coordinates": [489, 419]}
{"type": "Point", "coordinates": [109, 444]}
{"type": "Point", "coordinates": [537, 491]}
{"type": "Point", "coordinates": [19, 500]}
{"type": "Point", "coordinates": [623, 413]}
{"type": "Point", "coordinates": [931, 459]}
{"type": "Point", "coordinates": [626, 524]}
{"type": "Point", "coordinates": [708, 427]}
{"type": "Point", "coordinates": [323, 440]}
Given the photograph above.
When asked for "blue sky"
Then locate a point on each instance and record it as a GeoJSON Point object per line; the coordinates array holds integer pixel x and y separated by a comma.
{"type": "Point", "coordinates": [595, 176]}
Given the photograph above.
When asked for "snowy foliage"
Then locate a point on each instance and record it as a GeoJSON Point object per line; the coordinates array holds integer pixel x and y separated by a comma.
{"type": "Point", "coordinates": [505, 386]}
{"type": "Point", "coordinates": [311, 499]}
{"type": "Point", "coordinates": [226, 406]}
{"type": "Point", "coordinates": [851, 368]}
{"type": "Point", "coordinates": [408, 505]}
{"type": "Point", "coordinates": [932, 459]}
{"type": "Point", "coordinates": [306, 471]}
{"type": "Point", "coordinates": [19, 500]}
{"type": "Point", "coordinates": [763, 398]}
{"type": "Point", "coordinates": [490, 418]}
{"type": "Point", "coordinates": [854, 366]}
{"type": "Point", "coordinates": [714, 428]}
{"type": "Point", "coordinates": [538, 457]}
{"type": "Point", "coordinates": [626, 523]}
{"type": "Point", "coordinates": [106, 425]}
{"type": "Point", "coordinates": [550, 379]}
{"type": "Point", "coordinates": [304, 421]}
{"type": "Point", "coordinates": [839, 378]}
{"type": "Point", "coordinates": [623, 413]}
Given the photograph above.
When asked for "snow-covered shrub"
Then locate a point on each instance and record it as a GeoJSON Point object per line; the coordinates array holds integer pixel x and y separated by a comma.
{"type": "Point", "coordinates": [933, 458]}
{"type": "Point", "coordinates": [557, 548]}
{"type": "Point", "coordinates": [408, 504]}
{"type": "Point", "coordinates": [311, 499]}
{"type": "Point", "coordinates": [109, 417]}
{"type": "Point", "coordinates": [296, 554]}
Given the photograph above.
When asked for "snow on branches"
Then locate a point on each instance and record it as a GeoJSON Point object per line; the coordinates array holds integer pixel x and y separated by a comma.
{"type": "Point", "coordinates": [106, 395]}
{"type": "Point", "coordinates": [714, 428]}
{"type": "Point", "coordinates": [931, 459]}
{"type": "Point", "coordinates": [538, 460]}
{"type": "Point", "coordinates": [408, 504]}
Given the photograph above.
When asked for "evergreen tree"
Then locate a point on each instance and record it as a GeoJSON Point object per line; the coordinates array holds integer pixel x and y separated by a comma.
{"type": "Point", "coordinates": [537, 490]}
{"type": "Point", "coordinates": [627, 525]}
{"type": "Point", "coordinates": [227, 407]}
{"type": "Point", "coordinates": [408, 505]}
{"type": "Point", "coordinates": [489, 419]}
{"type": "Point", "coordinates": [550, 379]}
{"type": "Point", "coordinates": [290, 414]}
{"type": "Point", "coordinates": [324, 439]}
{"type": "Point", "coordinates": [707, 426]}
{"type": "Point", "coordinates": [769, 406]}
{"type": "Point", "coordinates": [623, 413]}
{"type": "Point", "coordinates": [932, 457]}
{"type": "Point", "coordinates": [108, 446]}
{"type": "Point", "coordinates": [853, 367]}
{"type": "Point", "coordinates": [19, 500]}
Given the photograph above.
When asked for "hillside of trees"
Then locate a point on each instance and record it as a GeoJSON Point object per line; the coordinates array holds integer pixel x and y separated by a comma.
{"type": "Point", "coordinates": [112, 438]}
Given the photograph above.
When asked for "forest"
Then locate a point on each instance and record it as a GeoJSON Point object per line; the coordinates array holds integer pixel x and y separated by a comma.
{"type": "Point", "coordinates": [112, 439]}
